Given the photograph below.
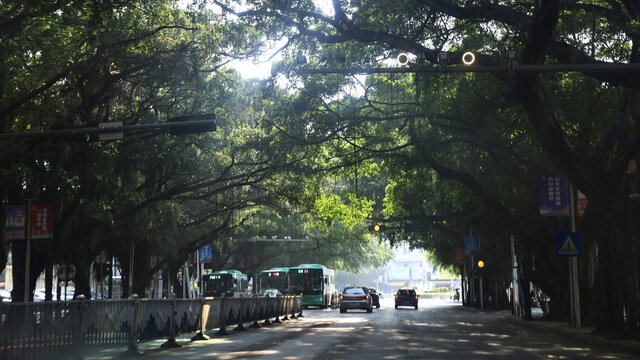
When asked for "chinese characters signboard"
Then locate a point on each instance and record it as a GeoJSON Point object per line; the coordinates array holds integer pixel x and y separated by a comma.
{"type": "Point", "coordinates": [15, 222]}
{"type": "Point", "coordinates": [41, 221]}
{"type": "Point", "coordinates": [554, 195]}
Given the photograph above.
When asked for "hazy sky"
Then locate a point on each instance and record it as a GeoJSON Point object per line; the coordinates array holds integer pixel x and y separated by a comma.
{"type": "Point", "coordinates": [262, 70]}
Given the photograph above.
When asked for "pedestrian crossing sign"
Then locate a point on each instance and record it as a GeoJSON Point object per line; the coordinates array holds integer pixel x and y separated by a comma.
{"type": "Point", "coordinates": [568, 244]}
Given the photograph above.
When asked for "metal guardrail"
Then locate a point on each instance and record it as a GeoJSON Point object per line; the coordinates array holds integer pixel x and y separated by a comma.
{"type": "Point", "coordinates": [67, 329]}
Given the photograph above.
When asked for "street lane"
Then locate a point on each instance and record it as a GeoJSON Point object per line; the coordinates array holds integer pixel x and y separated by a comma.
{"type": "Point", "coordinates": [439, 329]}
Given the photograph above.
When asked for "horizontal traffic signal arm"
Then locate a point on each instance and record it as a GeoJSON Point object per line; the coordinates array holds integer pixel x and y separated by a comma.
{"type": "Point", "coordinates": [185, 124]}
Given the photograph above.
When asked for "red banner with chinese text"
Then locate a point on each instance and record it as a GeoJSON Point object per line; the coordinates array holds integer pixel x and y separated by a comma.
{"type": "Point", "coordinates": [41, 221]}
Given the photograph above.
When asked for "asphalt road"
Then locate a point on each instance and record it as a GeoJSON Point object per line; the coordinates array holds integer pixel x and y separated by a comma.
{"type": "Point", "coordinates": [439, 329]}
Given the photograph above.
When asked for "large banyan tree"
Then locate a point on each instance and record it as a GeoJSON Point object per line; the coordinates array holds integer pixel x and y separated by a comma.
{"type": "Point", "coordinates": [464, 150]}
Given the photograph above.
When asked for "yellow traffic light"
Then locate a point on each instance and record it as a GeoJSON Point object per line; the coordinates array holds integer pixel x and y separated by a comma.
{"type": "Point", "coordinates": [376, 227]}
{"type": "Point", "coordinates": [480, 264]}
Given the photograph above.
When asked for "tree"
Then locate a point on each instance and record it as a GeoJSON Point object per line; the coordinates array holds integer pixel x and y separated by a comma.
{"type": "Point", "coordinates": [498, 163]}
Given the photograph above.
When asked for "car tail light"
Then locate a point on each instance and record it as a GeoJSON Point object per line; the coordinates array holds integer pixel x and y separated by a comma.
{"type": "Point", "coordinates": [366, 297]}
{"type": "Point", "coordinates": [396, 297]}
{"type": "Point", "coordinates": [341, 297]}
{"type": "Point", "coordinates": [416, 297]}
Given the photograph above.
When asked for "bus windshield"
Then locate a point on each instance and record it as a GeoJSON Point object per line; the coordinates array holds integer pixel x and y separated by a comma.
{"type": "Point", "coordinates": [217, 287]}
{"type": "Point", "coordinates": [306, 284]}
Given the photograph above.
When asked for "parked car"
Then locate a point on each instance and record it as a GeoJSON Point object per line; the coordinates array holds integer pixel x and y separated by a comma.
{"type": "Point", "coordinates": [375, 297]}
{"type": "Point", "coordinates": [355, 298]}
{"type": "Point", "coordinates": [406, 297]}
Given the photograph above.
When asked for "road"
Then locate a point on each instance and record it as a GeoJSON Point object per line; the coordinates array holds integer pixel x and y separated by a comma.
{"type": "Point", "coordinates": [439, 329]}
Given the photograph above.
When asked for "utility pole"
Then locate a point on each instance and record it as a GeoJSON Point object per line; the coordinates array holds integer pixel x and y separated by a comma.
{"type": "Point", "coordinates": [574, 286]}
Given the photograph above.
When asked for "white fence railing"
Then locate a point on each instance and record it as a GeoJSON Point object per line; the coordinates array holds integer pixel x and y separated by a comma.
{"type": "Point", "coordinates": [64, 329]}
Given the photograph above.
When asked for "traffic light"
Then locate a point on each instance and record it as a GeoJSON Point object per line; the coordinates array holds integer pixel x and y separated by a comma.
{"type": "Point", "coordinates": [377, 228]}
{"type": "Point", "coordinates": [480, 264]}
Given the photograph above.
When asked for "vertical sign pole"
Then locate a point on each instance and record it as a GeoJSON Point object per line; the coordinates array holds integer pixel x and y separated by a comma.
{"type": "Point", "coordinates": [131, 268]}
{"type": "Point", "coordinates": [573, 268]}
{"type": "Point", "coordinates": [27, 262]}
{"type": "Point", "coordinates": [462, 287]}
{"type": "Point", "coordinates": [472, 284]}
{"type": "Point", "coordinates": [198, 274]}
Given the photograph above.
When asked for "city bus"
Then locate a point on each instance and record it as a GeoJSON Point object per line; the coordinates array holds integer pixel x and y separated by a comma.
{"type": "Point", "coordinates": [274, 278]}
{"type": "Point", "coordinates": [316, 283]}
{"type": "Point", "coordinates": [227, 283]}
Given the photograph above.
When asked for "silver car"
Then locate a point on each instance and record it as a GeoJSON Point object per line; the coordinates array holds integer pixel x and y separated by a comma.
{"type": "Point", "coordinates": [355, 298]}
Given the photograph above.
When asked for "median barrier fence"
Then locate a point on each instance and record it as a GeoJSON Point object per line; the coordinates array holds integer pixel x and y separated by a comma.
{"type": "Point", "coordinates": [68, 329]}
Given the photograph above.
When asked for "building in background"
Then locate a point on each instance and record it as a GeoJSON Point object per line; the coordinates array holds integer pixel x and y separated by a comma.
{"type": "Point", "coordinates": [409, 269]}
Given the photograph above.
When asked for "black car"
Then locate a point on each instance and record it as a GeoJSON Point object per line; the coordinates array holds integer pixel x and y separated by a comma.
{"type": "Point", "coordinates": [375, 297]}
{"type": "Point", "coordinates": [355, 298]}
{"type": "Point", "coordinates": [406, 297]}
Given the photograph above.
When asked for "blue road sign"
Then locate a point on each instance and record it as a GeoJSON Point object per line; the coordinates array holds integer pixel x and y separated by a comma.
{"type": "Point", "coordinates": [471, 244]}
{"type": "Point", "coordinates": [568, 244]}
{"type": "Point", "coordinates": [205, 253]}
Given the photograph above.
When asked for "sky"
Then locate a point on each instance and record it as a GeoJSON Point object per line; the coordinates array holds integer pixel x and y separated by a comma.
{"type": "Point", "coordinates": [249, 70]}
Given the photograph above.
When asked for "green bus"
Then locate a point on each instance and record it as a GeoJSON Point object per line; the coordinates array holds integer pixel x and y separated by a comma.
{"type": "Point", "coordinates": [227, 283]}
{"type": "Point", "coordinates": [274, 278]}
{"type": "Point", "coordinates": [316, 283]}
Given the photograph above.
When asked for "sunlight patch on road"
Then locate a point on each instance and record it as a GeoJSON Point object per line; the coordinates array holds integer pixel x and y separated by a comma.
{"type": "Point", "coordinates": [575, 348]}
{"type": "Point", "coordinates": [353, 320]}
{"type": "Point", "coordinates": [499, 336]}
{"type": "Point", "coordinates": [243, 354]}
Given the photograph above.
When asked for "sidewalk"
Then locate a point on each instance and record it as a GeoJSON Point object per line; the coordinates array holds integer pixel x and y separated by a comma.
{"type": "Point", "coordinates": [583, 334]}
{"type": "Point", "coordinates": [223, 343]}
{"type": "Point", "coordinates": [142, 348]}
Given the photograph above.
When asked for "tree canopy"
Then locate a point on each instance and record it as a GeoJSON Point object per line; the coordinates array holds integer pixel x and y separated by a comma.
{"type": "Point", "coordinates": [464, 152]}
{"type": "Point", "coordinates": [432, 155]}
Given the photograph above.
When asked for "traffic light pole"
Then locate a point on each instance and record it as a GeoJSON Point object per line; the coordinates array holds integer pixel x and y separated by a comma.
{"type": "Point", "coordinates": [205, 121]}
{"type": "Point", "coordinates": [536, 68]}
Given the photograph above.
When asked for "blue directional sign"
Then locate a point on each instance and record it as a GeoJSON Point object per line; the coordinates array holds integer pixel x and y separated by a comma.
{"type": "Point", "coordinates": [205, 254]}
{"type": "Point", "coordinates": [568, 243]}
{"type": "Point", "coordinates": [471, 244]}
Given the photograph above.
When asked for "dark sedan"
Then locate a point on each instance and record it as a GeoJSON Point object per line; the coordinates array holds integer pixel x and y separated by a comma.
{"type": "Point", "coordinates": [355, 298]}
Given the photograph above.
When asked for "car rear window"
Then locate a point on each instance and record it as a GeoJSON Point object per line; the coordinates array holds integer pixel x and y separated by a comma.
{"type": "Point", "coordinates": [406, 292]}
{"type": "Point", "coordinates": [353, 291]}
